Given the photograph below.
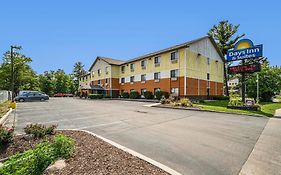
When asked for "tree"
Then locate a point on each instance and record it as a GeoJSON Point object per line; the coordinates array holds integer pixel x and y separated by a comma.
{"type": "Point", "coordinates": [47, 82]}
{"type": "Point", "coordinates": [223, 34]}
{"type": "Point", "coordinates": [78, 71]}
{"type": "Point", "coordinates": [25, 76]}
{"type": "Point", "coordinates": [61, 79]}
{"type": "Point", "coordinates": [269, 82]}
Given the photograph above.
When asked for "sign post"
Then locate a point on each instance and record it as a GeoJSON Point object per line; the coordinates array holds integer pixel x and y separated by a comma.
{"type": "Point", "coordinates": [245, 49]}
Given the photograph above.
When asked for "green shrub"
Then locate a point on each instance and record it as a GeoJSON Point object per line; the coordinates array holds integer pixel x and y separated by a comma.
{"type": "Point", "coordinates": [95, 96]}
{"type": "Point", "coordinates": [161, 94]}
{"type": "Point", "coordinates": [235, 100]}
{"type": "Point", "coordinates": [148, 95]}
{"type": "Point", "coordinates": [134, 95]}
{"type": "Point", "coordinates": [35, 161]}
{"type": "Point", "coordinates": [6, 135]}
{"type": "Point", "coordinates": [62, 146]}
{"type": "Point", "coordinates": [185, 102]}
{"type": "Point", "coordinates": [39, 130]}
{"type": "Point", "coordinates": [125, 95]}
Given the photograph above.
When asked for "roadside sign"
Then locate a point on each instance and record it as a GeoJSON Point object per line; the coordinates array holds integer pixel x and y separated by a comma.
{"type": "Point", "coordinates": [250, 68]}
{"type": "Point", "coordinates": [244, 49]}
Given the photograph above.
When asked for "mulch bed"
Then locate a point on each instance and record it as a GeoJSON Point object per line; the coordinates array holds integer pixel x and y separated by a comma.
{"type": "Point", "coordinates": [92, 156]}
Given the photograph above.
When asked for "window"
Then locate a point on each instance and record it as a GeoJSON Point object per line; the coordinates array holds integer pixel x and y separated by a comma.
{"type": "Point", "coordinates": [156, 90]}
{"type": "Point", "coordinates": [106, 80]}
{"type": "Point", "coordinates": [143, 77]}
{"type": "Point", "coordinates": [106, 70]}
{"type": "Point", "coordinates": [143, 64]}
{"type": "Point", "coordinates": [157, 60]}
{"type": "Point", "coordinates": [174, 73]}
{"type": "Point", "coordinates": [208, 76]}
{"type": "Point", "coordinates": [99, 71]}
{"type": "Point", "coordinates": [99, 82]}
{"type": "Point", "coordinates": [132, 66]}
{"type": "Point", "coordinates": [122, 80]}
{"type": "Point", "coordinates": [132, 90]}
{"type": "Point", "coordinates": [175, 91]}
{"type": "Point", "coordinates": [132, 79]}
{"type": "Point", "coordinates": [208, 61]}
{"type": "Point", "coordinates": [174, 56]}
{"type": "Point", "coordinates": [123, 69]}
{"type": "Point", "coordinates": [143, 91]}
{"type": "Point", "coordinates": [156, 75]}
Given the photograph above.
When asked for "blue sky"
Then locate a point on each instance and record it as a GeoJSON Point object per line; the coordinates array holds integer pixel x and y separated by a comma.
{"type": "Point", "coordinates": [58, 33]}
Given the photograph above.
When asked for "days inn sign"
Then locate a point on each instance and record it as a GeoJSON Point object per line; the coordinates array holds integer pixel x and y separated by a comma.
{"type": "Point", "coordinates": [244, 49]}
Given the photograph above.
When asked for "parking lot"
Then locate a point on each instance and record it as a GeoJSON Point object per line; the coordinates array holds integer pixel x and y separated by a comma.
{"type": "Point", "coordinates": [190, 142]}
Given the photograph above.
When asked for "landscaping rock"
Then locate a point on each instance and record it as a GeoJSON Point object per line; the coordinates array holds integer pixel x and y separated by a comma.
{"type": "Point", "coordinates": [58, 165]}
{"type": "Point", "coordinates": [28, 137]}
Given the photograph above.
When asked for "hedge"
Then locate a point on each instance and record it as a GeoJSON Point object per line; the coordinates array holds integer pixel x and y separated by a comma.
{"type": "Point", "coordinates": [148, 95]}
{"type": "Point", "coordinates": [125, 95]}
{"type": "Point", "coordinates": [160, 94]}
{"type": "Point", "coordinates": [134, 95]}
{"type": "Point", "coordinates": [95, 96]}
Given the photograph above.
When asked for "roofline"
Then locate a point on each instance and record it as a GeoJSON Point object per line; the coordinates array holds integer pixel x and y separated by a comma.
{"type": "Point", "coordinates": [179, 46]}
{"type": "Point", "coordinates": [102, 58]}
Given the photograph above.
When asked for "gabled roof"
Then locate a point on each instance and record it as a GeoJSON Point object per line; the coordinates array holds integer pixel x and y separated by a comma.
{"type": "Point", "coordinates": [186, 44]}
{"type": "Point", "coordinates": [110, 61]}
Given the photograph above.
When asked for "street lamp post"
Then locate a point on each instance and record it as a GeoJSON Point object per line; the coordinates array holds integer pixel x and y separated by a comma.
{"type": "Point", "coordinates": [12, 71]}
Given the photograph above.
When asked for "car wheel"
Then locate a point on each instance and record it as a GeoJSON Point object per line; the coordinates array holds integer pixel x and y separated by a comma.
{"type": "Point", "coordinates": [42, 99]}
{"type": "Point", "coordinates": [21, 100]}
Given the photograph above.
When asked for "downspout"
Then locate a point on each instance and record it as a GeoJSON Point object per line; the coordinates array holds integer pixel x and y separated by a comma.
{"type": "Point", "coordinates": [185, 71]}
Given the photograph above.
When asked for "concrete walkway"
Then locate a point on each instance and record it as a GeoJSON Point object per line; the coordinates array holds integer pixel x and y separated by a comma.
{"type": "Point", "coordinates": [266, 155]}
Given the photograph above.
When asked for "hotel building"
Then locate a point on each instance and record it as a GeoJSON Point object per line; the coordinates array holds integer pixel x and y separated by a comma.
{"type": "Point", "coordinates": [192, 69]}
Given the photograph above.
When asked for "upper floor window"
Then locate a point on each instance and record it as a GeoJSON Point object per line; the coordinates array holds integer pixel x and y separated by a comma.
{"type": "Point", "coordinates": [143, 77]}
{"type": "Point", "coordinates": [132, 66]}
{"type": "Point", "coordinates": [208, 61]}
{"type": "Point", "coordinates": [174, 73]}
{"type": "Point", "coordinates": [122, 80]}
{"type": "Point", "coordinates": [156, 75]}
{"type": "Point", "coordinates": [106, 70]}
{"type": "Point", "coordinates": [99, 71]}
{"type": "Point", "coordinates": [174, 56]}
{"type": "Point", "coordinates": [157, 60]}
{"type": "Point", "coordinates": [143, 64]}
{"type": "Point", "coordinates": [122, 69]}
{"type": "Point", "coordinates": [208, 76]}
{"type": "Point", "coordinates": [132, 79]}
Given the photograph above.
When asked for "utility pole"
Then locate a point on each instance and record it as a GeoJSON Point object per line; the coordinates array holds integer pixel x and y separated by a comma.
{"type": "Point", "coordinates": [257, 88]}
{"type": "Point", "coordinates": [243, 84]}
{"type": "Point", "coordinates": [13, 71]}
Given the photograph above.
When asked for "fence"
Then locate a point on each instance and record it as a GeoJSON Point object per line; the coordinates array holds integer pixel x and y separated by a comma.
{"type": "Point", "coordinates": [5, 95]}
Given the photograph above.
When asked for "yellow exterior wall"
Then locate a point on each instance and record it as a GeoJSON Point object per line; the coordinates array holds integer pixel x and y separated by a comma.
{"type": "Point", "coordinates": [197, 67]}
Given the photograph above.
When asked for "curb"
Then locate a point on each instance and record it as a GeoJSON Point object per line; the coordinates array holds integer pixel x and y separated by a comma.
{"type": "Point", "coordinates": [4, 118]}
{"type": "Point", "coordinates": [203, 110]}
{"type": "Point", "coordinates": [132, 152]}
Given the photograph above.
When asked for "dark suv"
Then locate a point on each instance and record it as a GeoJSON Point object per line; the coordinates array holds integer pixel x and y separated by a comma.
{"type": "Point", "coordinates": [32, 96]}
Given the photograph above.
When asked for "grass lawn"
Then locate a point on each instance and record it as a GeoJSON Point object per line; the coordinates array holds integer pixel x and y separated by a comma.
{"type": "Point", "coordinates": [267, 109]}
{"type": "Point", "coordinates": [4, 108]}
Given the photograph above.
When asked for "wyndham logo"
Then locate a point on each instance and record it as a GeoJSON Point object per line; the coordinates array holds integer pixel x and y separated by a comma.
{"type": "Point", "coordinates": [244, 49]}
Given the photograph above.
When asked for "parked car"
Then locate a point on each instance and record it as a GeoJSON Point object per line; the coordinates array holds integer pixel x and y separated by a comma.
{"type": "Point", "coordinates": [32, 96]}
{"type": "Point", "coordinates": [59, 95]}
{"type": "Point", "coordinates": [63, 95]}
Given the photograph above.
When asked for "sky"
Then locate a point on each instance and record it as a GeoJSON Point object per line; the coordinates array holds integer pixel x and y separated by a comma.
{"type": "Point", "coordinates": [58, 33]}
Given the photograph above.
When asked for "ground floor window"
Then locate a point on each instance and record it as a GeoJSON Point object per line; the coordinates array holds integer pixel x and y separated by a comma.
{"type": "Point", "coordinates": [143, 91]}
{"type": "Point", "coordinates": [99, 82]}
{"type": "Point", "coordinates": [175, 91]}
{"type": "Point", "coordinates": [156, 90]}
{"type": "Point", "coordinates": [132, 90]}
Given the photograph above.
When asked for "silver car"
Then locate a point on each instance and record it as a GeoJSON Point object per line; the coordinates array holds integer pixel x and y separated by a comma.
{"type": "Point", "coordinates": [32, 96]}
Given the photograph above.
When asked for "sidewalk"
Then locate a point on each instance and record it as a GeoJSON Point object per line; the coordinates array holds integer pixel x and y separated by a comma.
{"type": "Point", "coordinates": [266, 155]}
